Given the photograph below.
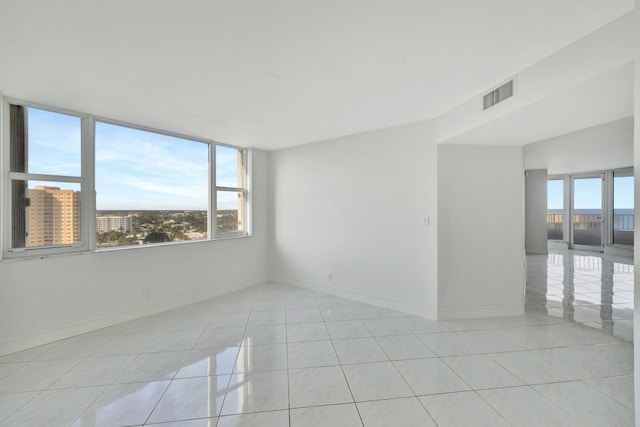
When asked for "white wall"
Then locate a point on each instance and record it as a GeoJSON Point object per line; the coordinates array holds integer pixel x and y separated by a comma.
{"type": "Point", "coordinates": [353, 206]}
{"type": "Point", "coordinates": [535, 193]}
{"type": "Point", "coordinates": [42, 300]}
{"type": "Point", "coordinates": [480, 231]}
{"type": "Point", "coordinates": [607, 146]}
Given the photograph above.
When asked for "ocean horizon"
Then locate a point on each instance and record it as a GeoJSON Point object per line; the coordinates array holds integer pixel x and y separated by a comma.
{"type": "Point", "coordinates": [593, 211]}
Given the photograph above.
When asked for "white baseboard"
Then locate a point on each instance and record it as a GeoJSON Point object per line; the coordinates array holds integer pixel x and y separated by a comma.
{"type": "Point", "coordinates": [556, 244]}
{"type": "Point", "coordinates": [457, 313]}
{"type": "Point", "coordinates": [538, 252]}
{"type": "Point", "coordinates": [359, 297]}
{"type": "Point", "coordinates": [35, 340]}
{"type": "Point", "coordinates": [618, 251]}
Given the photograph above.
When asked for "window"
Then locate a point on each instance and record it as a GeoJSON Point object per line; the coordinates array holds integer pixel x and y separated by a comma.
{"type": "Point", "coordinates": [231, 191]}
{"type": "Point", "coordinates": [588, 210]}
{"type": "Point", "coordinates": [623, 207]}
{"type": "Point", "coordinates": [555, 209]}
{"type": "Point", "coordinates": [593, 210]}
{"type": "Point", "coordinates": [45, 182]}
{"type": "Point", "coordinates": [149, 186]}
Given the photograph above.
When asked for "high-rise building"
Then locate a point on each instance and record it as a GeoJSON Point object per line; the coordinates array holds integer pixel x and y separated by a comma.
{"type": "Point", "coordinates": [54, 216]}
{"type": "Point", "coordinates": [108, 223]}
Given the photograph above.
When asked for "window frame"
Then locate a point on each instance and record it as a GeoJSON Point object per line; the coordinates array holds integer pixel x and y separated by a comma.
{"type": "Point", "coordinates": [85, 180]}
{"type": "Point", "coordinates": [565, 214]}
{"type": "Point", "coordinates": [246, 158]}
{"type": "Point", "coordinates": [87, 185]}
{"type": "Point", "coordinates": [211, 173]}
{"type": "Point", "coordinates": [608, 176]}
{"type": "Point", "coordinates": [612, 174]}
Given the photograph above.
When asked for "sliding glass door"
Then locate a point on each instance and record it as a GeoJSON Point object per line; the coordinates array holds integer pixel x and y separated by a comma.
{"type": "Point", "coordinates": [622, 224]}
{"type": "Point", "coordinates": [588, 212]}
{"type": "Point", "coordinates": [591, 211]}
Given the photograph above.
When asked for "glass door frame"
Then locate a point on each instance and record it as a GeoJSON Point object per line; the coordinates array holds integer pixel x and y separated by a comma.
{"type": "Point", "coordinates": [603, 216]}
{"type": "Point", "coordinates": [607, 239]}
{"type": "Point", "coordinates": [566, 201]}
{"type": "Point", "coordinates": [610, 184]}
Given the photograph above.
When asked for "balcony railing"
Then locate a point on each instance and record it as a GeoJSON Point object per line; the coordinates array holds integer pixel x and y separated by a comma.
{"type": "Point", "coordinates": [621, 222]}
{"type": "Point", "coordinates": [586, 228]}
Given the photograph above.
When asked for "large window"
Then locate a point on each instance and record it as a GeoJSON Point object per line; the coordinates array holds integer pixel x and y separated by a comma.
{"type": "Point", "coordinates": [74, 183]}
{"type": "Point", "coordinates": [592, 211]}
{"type": "Point", "coordinates": [150, 187]}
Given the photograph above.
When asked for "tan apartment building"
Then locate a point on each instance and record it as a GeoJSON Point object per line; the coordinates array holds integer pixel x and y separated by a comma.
{"type": "Point", "coordinates": [54, 216]}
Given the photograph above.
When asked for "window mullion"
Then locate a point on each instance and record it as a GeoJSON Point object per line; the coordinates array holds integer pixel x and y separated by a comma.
{"type": "Point", "coordinates": [231, 189]}
{"type": "Point", "coordinates": [43, 177]}
{"type": "Point", "coordinates": [211, 221]}
{"type": "Point", "coordinates": [88, 195]}
{"type": "Point", "coordinates": [248, 192]}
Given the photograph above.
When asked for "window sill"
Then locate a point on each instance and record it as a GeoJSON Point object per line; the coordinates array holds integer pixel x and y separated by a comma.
{"type": "Point", "coordinates": [161, 245]}
{"type": "Point", "coordinates": [25, 256]}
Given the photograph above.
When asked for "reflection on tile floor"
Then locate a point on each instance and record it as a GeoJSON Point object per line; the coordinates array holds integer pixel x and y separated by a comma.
{"type": "Point", "coordinates": [274, 355]}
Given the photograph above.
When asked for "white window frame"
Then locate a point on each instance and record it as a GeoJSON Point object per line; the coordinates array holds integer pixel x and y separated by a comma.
{"type": "Point", "coordinates": [87, 185]}
{"type": "Point", "coordinates": [85, 180]}
{"type": "Point", "coordinates": [607, 176]}
{"type": "Point", "coordinates": [246, 160]}
{"type": "Point", "coordinates": [211, 170]}
{"type": "Point", "coordinates": [565, 203]}
{"type": "Point", "coordinates": [611, 175]}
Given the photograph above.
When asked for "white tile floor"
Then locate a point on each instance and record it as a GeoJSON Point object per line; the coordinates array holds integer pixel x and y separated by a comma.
{"type": "Point", "coordinates": [274, 355]}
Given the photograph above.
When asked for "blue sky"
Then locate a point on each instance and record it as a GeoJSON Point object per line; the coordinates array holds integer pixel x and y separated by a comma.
{"type": "Point", "coordinates": [623, 193]}
{"type": "Point", "coordinates": [135, 169]}
{"type": "Point", "coordinates": [555, 194]}
{"type": "Point", "coordinates": [143, 170]}
{"type": "Point", "coordinates": [54, 143]}
{"type": "Point", "coordinates": [588, 193]}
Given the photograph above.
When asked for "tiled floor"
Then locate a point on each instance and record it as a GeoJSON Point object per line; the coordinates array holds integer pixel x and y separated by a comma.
{"type": "Point", "coordinates": [279, 356]}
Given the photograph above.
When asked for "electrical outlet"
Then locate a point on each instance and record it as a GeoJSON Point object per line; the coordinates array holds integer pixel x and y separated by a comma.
{"type": "Point", "coordinates": [146, 293]}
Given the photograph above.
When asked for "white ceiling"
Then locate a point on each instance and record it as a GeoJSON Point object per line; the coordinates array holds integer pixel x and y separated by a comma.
{"type": "Point", "coordinates": [277, 73]}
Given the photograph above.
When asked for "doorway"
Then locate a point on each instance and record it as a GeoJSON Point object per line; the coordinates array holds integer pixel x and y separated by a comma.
{"type": "Point", "coordinates": [591, 211]}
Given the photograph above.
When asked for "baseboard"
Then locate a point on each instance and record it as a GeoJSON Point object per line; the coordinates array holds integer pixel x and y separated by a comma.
{"type": "Point", "coordinates": [357, 296]}
{"type": "Point", "coordinates": [79, 328]}
{"type": "Point", "coordinates": [558, 245]}
{"type": "Point", "coordinates": [456, 313]}
{"type": "Point", "coordinates": [618, 251]}
{"type": "Point", "coordinates": [537, 252]}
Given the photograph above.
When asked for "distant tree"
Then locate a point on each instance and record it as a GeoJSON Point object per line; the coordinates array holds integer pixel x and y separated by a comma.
{"type": "Point", "coordinates": [157, 236]}
{"type": "Point", "coordinates": [178, 233]}
{"type": "Point", "coordinates": [126, 240]}
{"type": "Point", "coordinates": [197, 220]}
{"type": "Point", "coordinates": [227, 220]}
{"type": "Point", "coordinates": [110, 236]}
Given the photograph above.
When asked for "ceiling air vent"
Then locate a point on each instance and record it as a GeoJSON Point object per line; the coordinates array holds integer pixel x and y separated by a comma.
{"type": "Point", "coordinates": [498, 95]}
